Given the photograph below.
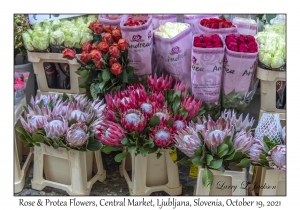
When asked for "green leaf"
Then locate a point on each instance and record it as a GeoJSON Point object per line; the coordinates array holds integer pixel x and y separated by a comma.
{"type": "Point", "coordinates": [230, 156]}
{"type": "Point", "coordinates": [124, 77]}
{"type": "Point", "coordinates": [158, 155]}
{"type": "Point", "coordinates": [71, 122]}
{"type": "Point", "coordinates": [177, 93]}
{"type": "Point", "coordinates": [176, 104]}
{"type": "Point", "coordinates": [131, 148]}
{"type": "Point", "coordinates": [209, 158]}
{"type": "Point", "coordinates": [125, 141]}
{"type": "Point", "coordinates": [109, 149]}
{"type": "Point", "coordinates": [216, 163]}
{"type": "Point", "coordinates": [22, 138]}
{"type": "Point", "coordinates": [83, 73]}
{"type": "Point", "coordinates": [105, 75]}
{"type": "Point", "coordinates": [94, 145]}
{"type": "Point", "coordinates": [269, 17]}
{"type": "Point", "coordinates": [185, 161]}
{"type": "Point", "coordinates": [207, 178]}
{"type": "Point", "coordinates": [198, 152]}
{"type": "Point", "coordinates": [119, 157]}
{"type": "Point", "coordinates": [237, 156]}
{"type": "Point", "coordinates": [82, 86]}
{"type": "Point", "coordinates": [46, 139]}
{"type": "Point", "coordinates": [144, 151]}
{"type": "Point", "coordinates": [170, 122]}
{"type": "Point", "coordinates": [21, 130]}
{"type": "Point", "coordinates": [170, 96]}
{"type": "Point", "coordinates": [154, 121]}
{"type": "Point", "coordinates": [221, 169]}
{"type": "Point", "coordinates": [244, 163]}
{"type": "Point", "coordinates": [222, 150]}
{"type": "Point", "coordinates": [37, 138]}
{"type": "Point", "coordinates": [93, 91]}
{"type": "Point", "coordinates": [65, 97]}
{"type": "Point", "coordinates": [197, 161]}
{"type": "Point", "coordinates": [101, 85]}
{"type": "Point", "coordinates": [29, 145]}
{"type": "Point", "coordinates": [55, 145]}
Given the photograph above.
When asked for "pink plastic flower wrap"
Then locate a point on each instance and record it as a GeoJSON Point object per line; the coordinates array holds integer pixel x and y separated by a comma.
{"type": "Point", "coordinates": [113, 20]}
{"type": "Point", "coordinates": [140, 42]}
{"type": "Point", "coordinates": [173, 47]}
{"type": "Point", "coordinates": [20, 80]}
{"type": "Point", "coordinates": [158, 20]}
{"type": "Point", "coordinates": [239, 81]}
{"type": "Point", "coordinates": [206, 70]}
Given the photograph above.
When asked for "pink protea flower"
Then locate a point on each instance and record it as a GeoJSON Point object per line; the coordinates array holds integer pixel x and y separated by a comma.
{"type": "Point", "coordinates": [179, 122]}
{"type": "Point", "coordinates": [162, 113]}
{"type": "Point", "coordinates": [158, 98]}
{"type": "Point", "coordinates": [77, 135]}
{"type": "Point", "coordinates": [187, 141]}
{"type": "Point", "coordinates": [243, 141]}
{"type": "Point", "coordinates": [110, 133]}
{"type": "Point", "coordinates": [192, 106]}
{"type": "Point", "coordinates": [283, 134]}
{"type": "Point", "coordinates": [152, 103]}
{"type": "Point", "coordinates": [110, 114]}
{"type": "Point", "coordinates": [214, 133]}
{"type": "Point", "coordinates": [98, 106]}
{"type": "Point", "coordinates": [277, 157]}
{"type": "Point", "coordinates": [239, 123]}
{"type": "Point", "coordinates": [255, 150]}
{"type": "Point", "coordinates": [133, 120]}
{"type": "Point", "coordinates": [139, 92]}
{"type": "Point", "coordinates": [161, 83]}
{"type": "Point", "coordinates": [33, 123]}
{"type": "Point", "coordinates": [77, 111]}
{"type": "Point", "coordinates": [122, 101]}
{"type": "Point", "coordinates": [183, 88]}
{"type": "Point", "coordinates": [162, 135]}
{"type": "Point", "coordinates": [55, 129]}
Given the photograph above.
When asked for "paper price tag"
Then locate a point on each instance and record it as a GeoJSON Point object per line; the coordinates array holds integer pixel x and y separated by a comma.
{"type": "Point", "coordinates": [194, 171]}
{"type": "Point", "coordinates": [173, 154]}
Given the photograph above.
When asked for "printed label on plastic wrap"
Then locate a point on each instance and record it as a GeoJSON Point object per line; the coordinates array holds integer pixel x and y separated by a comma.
{"type": "Point", "coordinates": [173, 154]}
{"type": "Point", "coordinates": [193, 171]}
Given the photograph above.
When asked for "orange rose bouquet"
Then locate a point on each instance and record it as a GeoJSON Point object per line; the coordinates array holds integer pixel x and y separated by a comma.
{"type": "Point", "coordinates": [104, 62]}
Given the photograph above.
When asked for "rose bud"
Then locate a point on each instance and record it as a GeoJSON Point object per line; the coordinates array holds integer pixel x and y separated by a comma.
{"type": "Point", "coordinates": [112, 60]}
{"type": "Point", "coordinates": [96, 55]}
{"type": "Point", "coordinates": [122, 44]}
{"type": "Point", "coordinates": [108, 28]}
{"type": "Point", "coordinates": [118, 28]}
{"type": "Point", "coordinates": [114, 51]}
{"type": "Point", "coordinates": [86, 47]}
{"type": "Point", "coordinates": [98, 64]}
{"type": "Point", "coordinates": [94, 47]}
{"type": "Point", "coordinates": [91, 26]}
{"type": "Point", "coordinates": [97, 28]}
{"type": "Point", "coordinates": [116, 35]}
{"type": "Point", "coordinates": [85, 57]}
{"type": "Point", "coordinates": [107, 38]}
{"type": "Point", "coordinates": [116, 68]}
{"type": "Point", "coordinates": [103, 47]}
{"type": "Point", "coordinates": [68, 53]}
{"type": "Point", "coordinates": [198, 45]}
{"type": "Point", "coordinates": [251, 38]}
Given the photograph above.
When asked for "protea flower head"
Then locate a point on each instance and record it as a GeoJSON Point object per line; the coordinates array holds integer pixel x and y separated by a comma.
{"type": "Point", "coordinates": [183, 88]}
{"type": "Point", "coordinates": [161, 83]}
{"type": "Point", "coordinates": [242, 141]}
{"type": "Point", "coordinates": [162, 113]}
{"type": "Point", "coordinates": [187, 141]}
{"type": "Point", "coordinates": [77, 135]}
{"type": "Point", "coordinates": [76, 111]}
{"type": "Point", "coordinates": [162, 135]}
{"type": "Point", "coordinates": [122, 101]}
{"type": "Point", "coordinates": [214, 133]}
{"type": "Point", "coordinates": [139, 92]}
{"type": "Point", "coordinates": [152, 103]}
{"type": "Point", "coordinates": [33, 123]}
{"type": "Point", "coordinates": [158, 98]}
{"type": "Point", "coordinates": [255, 150]}
{"type": "Point", "coordinates": [110, 133]}
{"type": "Point", "coordinates": [98, 106]}
{"type": "Point", "coordinates": [192, 106]}
{"type": "Point", "coordinates": [55, 129]}
{"type": "Point", "coordinates": [277, 157]}
{"type": "Point", "coordinates": [283, 134]}
{"type": "Point", "coordinates": [239, 123]}
{"type": "Point", "coordinates": [133, 120]}
{"type": "Point", "coordinates": [110, 114]}
{"type": "Point", "coordinates": [179, 122]}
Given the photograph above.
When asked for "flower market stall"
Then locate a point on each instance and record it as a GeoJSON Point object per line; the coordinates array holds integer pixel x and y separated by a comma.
{"type": "Point", "coordinates": [152, 95]}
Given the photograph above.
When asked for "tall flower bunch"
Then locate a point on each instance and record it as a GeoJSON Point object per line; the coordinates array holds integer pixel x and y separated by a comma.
{"type": "Point", "coordinates": [216, 144]}
{"type": "Point", "coordinates": [104, 62]}
{"type": "Point", "coordinates": [146, 119]}
{"type": "Point", "coordinates": [58, 121]}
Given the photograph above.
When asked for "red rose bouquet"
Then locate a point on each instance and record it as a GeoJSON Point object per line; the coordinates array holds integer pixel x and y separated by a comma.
{"type": "Point", "coordinates": [216, 25]}
{"type": "Point", "coordinates": [104, 63]}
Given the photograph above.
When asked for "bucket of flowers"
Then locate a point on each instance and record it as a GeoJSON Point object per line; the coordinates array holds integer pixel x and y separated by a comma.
{"type": "Point", "coordinates": [269, 154]}
{"type": "Point", "coordinates": [104, 62]}
{"type": "Point", "coordinates": [20, 81]}
{"type": "Point", "coordinates": [142, 121]}
{"type": "Point", "coordinates": [61, 129]}
{"type": "Point", "coordinates": [220, 149]}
